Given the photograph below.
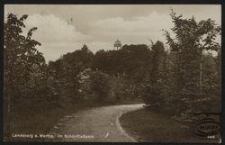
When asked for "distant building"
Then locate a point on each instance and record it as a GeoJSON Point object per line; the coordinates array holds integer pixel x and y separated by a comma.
{"type": "Point", "coordinates": [117, 44]}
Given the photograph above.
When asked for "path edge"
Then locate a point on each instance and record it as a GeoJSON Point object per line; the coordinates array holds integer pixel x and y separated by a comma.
{"type": "Point", "coordinates": [121, 128]}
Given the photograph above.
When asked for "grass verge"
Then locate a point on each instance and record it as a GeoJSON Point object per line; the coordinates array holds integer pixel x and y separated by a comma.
{"type": "Point", "coordinates": [147, 126]}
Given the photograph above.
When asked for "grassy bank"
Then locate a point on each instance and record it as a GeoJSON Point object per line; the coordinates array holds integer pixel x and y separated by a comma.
{"type": "Point", "coordinates": [148, 126]}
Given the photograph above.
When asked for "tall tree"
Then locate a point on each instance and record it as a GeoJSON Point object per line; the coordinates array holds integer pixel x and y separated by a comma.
{"type": "Point", "coordinates": [21, 62]}
{"type": "Point", "coordinates": [153, 85]}
{"type": "Point", "coordinates": [191, 40]}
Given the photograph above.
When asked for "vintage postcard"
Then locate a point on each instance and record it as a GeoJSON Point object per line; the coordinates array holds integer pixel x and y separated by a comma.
{"type": "Point", "coordinates": [112, 73]}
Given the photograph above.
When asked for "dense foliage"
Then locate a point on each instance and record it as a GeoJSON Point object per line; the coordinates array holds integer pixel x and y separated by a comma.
{"type": "Point", "coordinates": [24, 67]}
{"type": "Point", "coordinates": [196, 81]}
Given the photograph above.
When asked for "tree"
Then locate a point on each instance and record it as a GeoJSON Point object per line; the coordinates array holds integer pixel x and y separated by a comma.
{"type": "Point", "coordinates": [22, 61]}
{"type": "Point", "coordinates": [153, 86]}
{"type": "Point", "coordinates": [191, 40]}
{"type": "Point", "coordinates": [64, 80]}
{"type": "Point", "coordinates": [211, 82]}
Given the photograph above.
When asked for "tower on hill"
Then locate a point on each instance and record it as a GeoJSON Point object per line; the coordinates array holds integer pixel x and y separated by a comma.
{"type": "Point", "coordinates": [117, 44]}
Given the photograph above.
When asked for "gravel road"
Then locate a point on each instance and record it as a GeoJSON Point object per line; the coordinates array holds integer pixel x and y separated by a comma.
{"type": "Point", "coordinates": [94, 125]}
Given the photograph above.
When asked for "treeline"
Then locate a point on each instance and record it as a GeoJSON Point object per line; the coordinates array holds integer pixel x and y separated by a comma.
{"type": "Point", "coordinates": [180, 80]}
{"type": "Point", "coordinates": [107, 76]}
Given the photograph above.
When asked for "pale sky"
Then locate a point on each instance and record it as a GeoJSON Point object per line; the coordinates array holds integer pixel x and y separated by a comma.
{"type": "Point", "coordinates": [66, 28]}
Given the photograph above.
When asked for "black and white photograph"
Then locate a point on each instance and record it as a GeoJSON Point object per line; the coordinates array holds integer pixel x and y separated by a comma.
{"type": "Point", "coordinates": [112, 73]}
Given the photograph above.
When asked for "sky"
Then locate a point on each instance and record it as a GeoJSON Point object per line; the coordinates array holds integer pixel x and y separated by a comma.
{"type": "Point", "coordinates": [66, 28]}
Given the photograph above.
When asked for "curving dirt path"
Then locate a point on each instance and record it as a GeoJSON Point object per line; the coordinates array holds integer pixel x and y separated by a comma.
{"type": "Point", "coordinates": [94, 125]}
